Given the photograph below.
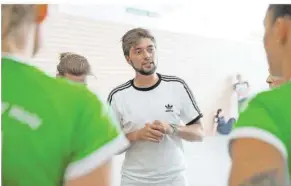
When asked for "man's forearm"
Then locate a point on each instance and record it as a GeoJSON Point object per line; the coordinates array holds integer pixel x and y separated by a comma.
{"type": "Point", "coordinates": [192, 132]}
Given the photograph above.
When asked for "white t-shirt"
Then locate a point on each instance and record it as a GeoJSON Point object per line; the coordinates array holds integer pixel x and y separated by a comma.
{"type": "Point", "coordinates": [170, 100]}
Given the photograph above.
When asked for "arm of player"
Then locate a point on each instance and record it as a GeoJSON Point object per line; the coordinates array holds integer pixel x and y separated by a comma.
{"type": "Point", "coordinates": [255, 162]}
{"type": "Point", "coordinates": [95, 141]}
{"type": "Point", "coordinates": [259, 157]}
{"type": "Point", "coordinates": [190, 114]}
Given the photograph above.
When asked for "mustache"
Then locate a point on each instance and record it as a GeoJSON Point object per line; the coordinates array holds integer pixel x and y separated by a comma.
{"type": "Point", "coordinates": [149, 62]}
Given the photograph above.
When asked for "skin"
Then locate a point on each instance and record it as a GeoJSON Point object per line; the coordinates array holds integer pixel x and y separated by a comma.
{"type": "Point", "coordinates": [274, 81]}
{"type": "Point", "coordinates": [20, 45]}
{"type": "Point", "coordinates": [256, 163]}
{"type": "Point", "coordinates": [142, 57]}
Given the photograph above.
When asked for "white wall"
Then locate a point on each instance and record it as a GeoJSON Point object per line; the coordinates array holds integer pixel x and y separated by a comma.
{"type": "Point", "coordinates": [195, 17]}
{"type": "Point", "coordinates": [206, 64]}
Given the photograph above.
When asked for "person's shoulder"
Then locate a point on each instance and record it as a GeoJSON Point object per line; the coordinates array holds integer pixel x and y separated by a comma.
{"type": "Point", "coordinates": [119, 89]}
{"type": "Point", "coordinates": [75, 91]}
{"type": "Point", "coordinates": [65, 91]}
{"type": "Point", "coordinates": [273, 101]}
{"type": "Point", "coordinates": [174, 80]}
{"type": "Point", "coordinates": [275, 95]}
{"type": "Point", "coordinates": [266, 117]}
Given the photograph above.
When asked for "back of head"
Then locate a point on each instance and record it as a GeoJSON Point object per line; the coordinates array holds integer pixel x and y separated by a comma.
{"type": "Point", "coordinates": [20, 27]}
{"type": "Point", "coordinates": [14, 15]}
{"type": "Point", "coordinates": [279, 57]}
{"type": "Point", "coordinates": [13, 18]}
{"type": "Point", "coordinates": [73, 64]}
{"type": "Point", "coordinates": [280, 10]}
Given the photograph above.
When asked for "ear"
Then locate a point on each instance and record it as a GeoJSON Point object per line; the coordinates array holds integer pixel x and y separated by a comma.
{"type": "Point", "coordinates": [281, 30]}
{"type": "Point", "coordinates": [128, 60]}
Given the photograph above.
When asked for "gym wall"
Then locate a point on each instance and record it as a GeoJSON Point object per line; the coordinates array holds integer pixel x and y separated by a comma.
{"type": "Point", "coordinates": [208, 65]}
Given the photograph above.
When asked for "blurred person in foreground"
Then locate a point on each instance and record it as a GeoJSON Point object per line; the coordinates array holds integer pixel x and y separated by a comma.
{"type": "Point", "coordinates": [260, 144]}
{"type": "Point", "coordinates": [53, 133]}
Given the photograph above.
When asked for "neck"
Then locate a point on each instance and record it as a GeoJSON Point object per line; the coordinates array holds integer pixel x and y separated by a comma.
{"type": "Point", "coordinates": [22, 45]}
{"type": "Point", "coordinates": [287, 70]}
{"type": "Point", "coordinates": [12, 50]}
{"type": "Point", "coordinates": [287, 61]}
{"type": "Point", "coordinates": [145, 81]}
{"type": "Point", "coordinates": [15, 54]}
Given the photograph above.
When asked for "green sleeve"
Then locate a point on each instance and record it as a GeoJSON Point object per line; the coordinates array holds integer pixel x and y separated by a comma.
{"type": "Point", "coordinates": [256, 115]}
{"type": "Point", "coordinates": [256, 122]}
{"type": "Point", "coordinates": [96, 137]}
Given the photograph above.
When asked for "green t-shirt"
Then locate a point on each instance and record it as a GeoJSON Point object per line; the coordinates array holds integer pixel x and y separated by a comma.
{"type": "Point", "coordinates": [268, 118]}
{"type": "Point", "coordinates": [52, 130]}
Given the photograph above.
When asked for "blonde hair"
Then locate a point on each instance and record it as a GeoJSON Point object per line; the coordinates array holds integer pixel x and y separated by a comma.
{"type": "Point", "coordinates": [74, 64]}
{"type": "Point", "coordinates": [14, 15]}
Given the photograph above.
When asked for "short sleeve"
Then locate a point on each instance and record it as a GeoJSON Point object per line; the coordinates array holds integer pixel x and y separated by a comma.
{"type": "Point", "coordinates": [255, 122]}
{"type": "Point", "coordinates": [190, 112]}
{"type": "Point", "coordinates": [96, 137]}
{"type": "Point", "coordinates": [115, 113]}
{"type": "Point", "coordinates": [125, 126]}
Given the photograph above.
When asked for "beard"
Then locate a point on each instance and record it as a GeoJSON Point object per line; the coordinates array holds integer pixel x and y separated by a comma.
{"type": "Point", "coordinates": [145, 72]}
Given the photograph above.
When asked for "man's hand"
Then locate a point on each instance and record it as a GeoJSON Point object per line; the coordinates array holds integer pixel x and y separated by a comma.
{"type": "Point", "coordinates": [163, 127]}
{"type": "Point", "coordinates": [150, 132]}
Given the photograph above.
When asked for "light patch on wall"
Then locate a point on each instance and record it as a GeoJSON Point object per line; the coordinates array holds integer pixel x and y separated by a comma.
{"type": "Point", "coordinates": [140, 12]}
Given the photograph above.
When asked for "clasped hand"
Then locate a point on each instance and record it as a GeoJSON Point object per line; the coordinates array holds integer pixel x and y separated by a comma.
{"type": "Point", "coordinates": [154, 132]}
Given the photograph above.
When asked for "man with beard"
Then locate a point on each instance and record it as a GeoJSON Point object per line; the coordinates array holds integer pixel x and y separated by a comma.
{"type": "Point", "coordinates": [150, 109]}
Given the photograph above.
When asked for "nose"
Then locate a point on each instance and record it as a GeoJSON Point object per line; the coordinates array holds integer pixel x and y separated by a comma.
{"type": "Point", "coordinates": [269, 79]}
{"type": "Point", "coordinates": [146, 54]}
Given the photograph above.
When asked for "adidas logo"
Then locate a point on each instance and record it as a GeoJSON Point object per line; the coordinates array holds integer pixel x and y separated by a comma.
{"type": "Point", "coordinates": [169, 108]}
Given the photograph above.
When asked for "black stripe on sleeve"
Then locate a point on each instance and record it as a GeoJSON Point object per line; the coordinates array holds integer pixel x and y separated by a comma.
{"type": "Point", "coordinates": [189, 92]}
{"type": "Point", "coordinates": [117, 89]}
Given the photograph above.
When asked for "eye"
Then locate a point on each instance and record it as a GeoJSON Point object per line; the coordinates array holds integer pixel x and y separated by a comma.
{"type": "Point", "coordinates": [150, 50]}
